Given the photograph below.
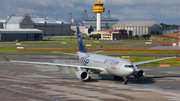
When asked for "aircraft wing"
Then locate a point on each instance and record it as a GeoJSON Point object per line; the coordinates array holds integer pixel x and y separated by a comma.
{"type": "Point", "coordinates": [64, 53]}
{"type": "Point", "coordinates": [149, 61]}
{"type": "Point", "coordinates": [96, 52]}
{"type": "Point", "coordinates": [59, 64]}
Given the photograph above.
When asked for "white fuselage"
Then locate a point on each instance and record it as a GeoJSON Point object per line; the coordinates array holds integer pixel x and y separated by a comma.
{"type": "Point", "coordinates": [111, 65]}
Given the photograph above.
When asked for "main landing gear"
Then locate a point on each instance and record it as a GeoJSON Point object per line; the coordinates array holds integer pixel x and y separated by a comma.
{"type": "Point", "coordinates": [124, 79]}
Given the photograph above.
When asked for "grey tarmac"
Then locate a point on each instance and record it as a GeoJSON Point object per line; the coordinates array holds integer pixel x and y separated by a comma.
{"type": "Point", "coordinates": [24, 82]}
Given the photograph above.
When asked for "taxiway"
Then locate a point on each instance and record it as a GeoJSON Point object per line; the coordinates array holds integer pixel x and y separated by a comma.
{"type": "Point", "coordinates": [27, 82]}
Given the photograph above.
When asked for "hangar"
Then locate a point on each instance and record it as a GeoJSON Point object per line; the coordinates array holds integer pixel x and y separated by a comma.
{"type": "Point", "coordinates": [20, 27]}
{"type": "Point", "coordinates": [49, 27]}
{"type": "Point", "coordinates": [1, 25]}
{"type": "Point", "coordinates": [140, 27]}
{"type": "Point", "coordinates": [21, 34]}
{"type": "Point", "coordinates": [24, 28]}
{"type": "Point", "coordinates": [52, 27]}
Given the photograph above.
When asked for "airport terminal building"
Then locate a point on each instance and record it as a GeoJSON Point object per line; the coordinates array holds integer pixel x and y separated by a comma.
{"type": "Point", "coordinates": [114, 34]}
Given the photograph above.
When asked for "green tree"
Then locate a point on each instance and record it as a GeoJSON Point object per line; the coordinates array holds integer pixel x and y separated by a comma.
{"type": "Point", "coordinates": [95, 36]}
{"type": "Point", "coordinates": [98, 35]}
{"type": "Point", "coordinates": [91, 36]}
{"type": "Point", "coordinates": [136, 36]}
{"type": "Point", "coordinates": [148, 36]}
{"type": "Point", "coordinates": [144, 36]}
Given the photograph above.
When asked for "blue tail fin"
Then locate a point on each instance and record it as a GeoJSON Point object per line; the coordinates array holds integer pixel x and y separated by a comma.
{"type": "Point", "coordinates": [80, 42]}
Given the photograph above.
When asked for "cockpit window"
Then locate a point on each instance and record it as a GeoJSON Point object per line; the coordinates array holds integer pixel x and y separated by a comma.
{"type": "Point", "coordinates": [129, 66]}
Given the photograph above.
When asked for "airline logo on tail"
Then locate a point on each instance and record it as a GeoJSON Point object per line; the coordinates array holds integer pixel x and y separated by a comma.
{"type": "Point", "coordinates": [80, 42]}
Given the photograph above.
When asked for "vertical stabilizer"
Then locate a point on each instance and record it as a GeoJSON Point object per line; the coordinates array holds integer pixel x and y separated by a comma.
{"type": "Point", "coordinates": [80, 42]}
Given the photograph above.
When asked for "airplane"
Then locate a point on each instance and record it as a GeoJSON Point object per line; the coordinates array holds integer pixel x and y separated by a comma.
{"type": "Point", "coordinates": [120, 68]}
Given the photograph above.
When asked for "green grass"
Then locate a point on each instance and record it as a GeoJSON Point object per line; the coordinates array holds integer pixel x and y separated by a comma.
{"type": "Point", "coordinates": [165, 33]}
{"type": "Point", "coordinates": [60, 39]}
{"type": "Point", "coordinates": [39, 50]}
{"type": "Point", "coordinates": [136, 53]}
{"type": "Point", "coordinates": [47, 43]}
{"type": "Point", "coordinates": [8, 50]}
{"type": "Point", "coordinates": [15, 50]}
{"type": "Point", "coordinates": [7, 44]}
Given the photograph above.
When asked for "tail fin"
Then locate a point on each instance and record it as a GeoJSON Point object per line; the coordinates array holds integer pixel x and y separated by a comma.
{"type": "Point", "coordinates": [80, 42]}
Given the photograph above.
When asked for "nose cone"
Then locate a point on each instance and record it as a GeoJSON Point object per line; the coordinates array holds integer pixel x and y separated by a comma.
{"type": "Point", "coordinates": [130, 71]}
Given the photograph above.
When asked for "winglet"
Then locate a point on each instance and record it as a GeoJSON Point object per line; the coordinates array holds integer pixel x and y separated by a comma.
{"type": "Point", "coordinates": [176, 55]}
{"type": "Point", "coordinates": [6, 58]}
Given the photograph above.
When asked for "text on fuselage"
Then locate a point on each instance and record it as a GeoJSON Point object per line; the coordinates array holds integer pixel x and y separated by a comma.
{"type": "Point", "coordinates": [110, 61]}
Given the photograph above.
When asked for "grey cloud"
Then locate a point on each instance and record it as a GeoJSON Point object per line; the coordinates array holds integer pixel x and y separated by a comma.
{"type": "Point", "coordinates": [122, 9]}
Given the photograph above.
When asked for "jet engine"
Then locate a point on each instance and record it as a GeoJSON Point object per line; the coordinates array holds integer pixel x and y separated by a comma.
{"type": "Point", "coordinates": [139, 73]}
{"type": "Point", "coordinates": [82, 75]}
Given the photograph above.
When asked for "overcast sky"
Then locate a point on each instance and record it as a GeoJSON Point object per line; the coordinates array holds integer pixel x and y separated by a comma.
{"type": "Point", "coordinates": [162, 11]}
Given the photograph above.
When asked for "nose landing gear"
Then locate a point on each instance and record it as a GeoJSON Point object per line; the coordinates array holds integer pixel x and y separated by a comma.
{"type": "Point", "coordinates": [125, 81]}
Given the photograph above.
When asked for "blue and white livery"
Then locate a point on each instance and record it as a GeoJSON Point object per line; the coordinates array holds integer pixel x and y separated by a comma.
{"type": "Point", "coordinates": [101, 64]}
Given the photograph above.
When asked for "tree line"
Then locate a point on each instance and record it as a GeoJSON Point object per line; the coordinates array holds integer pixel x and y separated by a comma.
{"type": "Point", "coordinates": [145, 36]}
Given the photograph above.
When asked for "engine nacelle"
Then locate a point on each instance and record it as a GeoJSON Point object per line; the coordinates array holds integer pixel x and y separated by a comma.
{"type": "Point", "coordinates": [139, 73]}
{"type": "Point", "coordinates": [82, 75]}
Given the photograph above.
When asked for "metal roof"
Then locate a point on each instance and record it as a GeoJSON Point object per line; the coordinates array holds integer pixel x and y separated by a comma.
{"type": "Point", "coordinates": [15, 19]}
{"type": "Point", "coordinates": [20, 31]}
{"type": "Point", "coordinates": [136, 23]}
{"type": "Point", "coordinates": [2, 20]}
{"type": "Point", "coordinates": [50, 21]}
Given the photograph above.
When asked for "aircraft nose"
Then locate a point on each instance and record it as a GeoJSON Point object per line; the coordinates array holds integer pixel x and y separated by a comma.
{"type": "Point", "coordinates": [131, 71]}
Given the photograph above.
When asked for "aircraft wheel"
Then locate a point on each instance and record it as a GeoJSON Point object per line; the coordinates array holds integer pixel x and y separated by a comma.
{"type": "Point", "coordinates": [125, 82]}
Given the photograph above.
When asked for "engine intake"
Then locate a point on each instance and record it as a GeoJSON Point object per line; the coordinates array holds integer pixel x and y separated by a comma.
{"type": "Point", "coordinates": [139, 73]}
{"type": "Point", "coordinates": [82, 75]}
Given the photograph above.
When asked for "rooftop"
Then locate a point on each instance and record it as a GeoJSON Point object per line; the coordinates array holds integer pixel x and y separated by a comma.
{"type": "Point", "coordinates": [37, 20]}
{"type": "Point", "coordinates": [136, 23]}
{"type": "Point", "coordinates": [19, 30]}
